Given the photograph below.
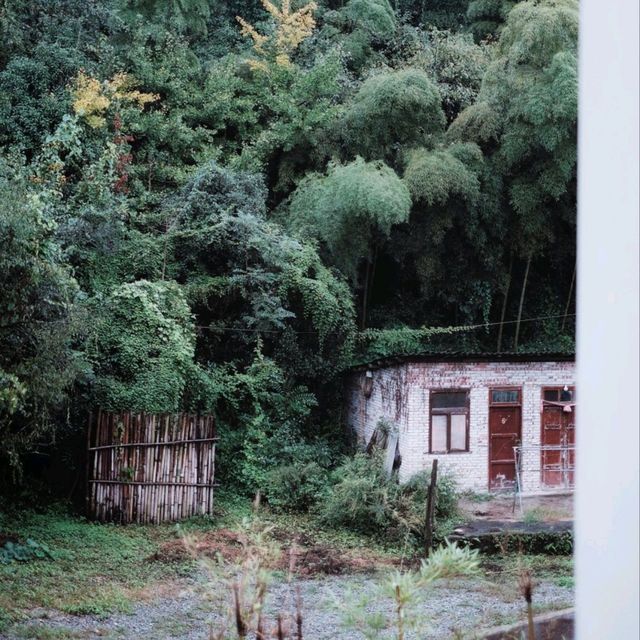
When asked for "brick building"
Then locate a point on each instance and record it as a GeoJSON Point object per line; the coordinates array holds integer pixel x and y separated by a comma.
{"type": "Point", "coordinates": [469, 411]}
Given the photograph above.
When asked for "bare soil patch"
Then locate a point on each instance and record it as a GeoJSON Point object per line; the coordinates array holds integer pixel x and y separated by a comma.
{"type": "Point", "coordinates": [545, 508]}
{"type": "Point", "coordinates": [222, 544]}
{"type": "Point", "coordinates": [310, 558]}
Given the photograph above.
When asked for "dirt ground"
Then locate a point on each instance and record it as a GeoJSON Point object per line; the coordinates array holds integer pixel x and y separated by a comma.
{"type": "Point", "coordinates": [299, 554]}
{"type": "Point", "coordinates": [195, 607]}
{"type": "Point", "coordinates": [543, 508]}
{"type": "Point", "coordinates": [337, 585]}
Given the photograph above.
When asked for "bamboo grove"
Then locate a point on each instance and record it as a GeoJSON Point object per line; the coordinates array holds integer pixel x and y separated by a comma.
{"type": "Point", "coordinates": [216, 207]}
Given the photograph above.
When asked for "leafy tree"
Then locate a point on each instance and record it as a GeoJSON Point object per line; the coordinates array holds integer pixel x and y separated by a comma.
{"type": "Point", "coordinates": [263, 420]}
{"type": "Point", "coordinates": [38, 326]}
{"type": "Point", "coordinates": [348, 208]}
{"type": "Point", "coordinates": [78, 27]}
{"type": "Point", "coordinates": [32, 95]}
{"type": "Point", "coordinates": [390, 110]}
{"type": "Point", "coordinates": [486, 18]}
{"type": "Point", "coordinates": [351, 210]}
{"type": "Point", "coordinates": [91, 98]}
{"type": "Point", "coordinates": [172, 134]}
{"type": "Point", "coordinates": [441, 14]}
{"type": "Point", "coordinates": [434, 176]}
{"type": "Point", "coordinates": [290, 29]}
{"type": "Point", "coordinates": [144, 348]}
{"type": "Point", "coordinates": [247, 278]}
{"type": "Point", "coordinates": [297, 111]}
{"type": "Point", "coordinates": [186, 15]}
{"type": "Point", "coordinates": [458, 67]}
{"type": "Point", "coordinates": [525, 118]}
{"type": "Point", "coordinates": [444, 255]}
{"type": "Point", "coordinates": [361, 28]}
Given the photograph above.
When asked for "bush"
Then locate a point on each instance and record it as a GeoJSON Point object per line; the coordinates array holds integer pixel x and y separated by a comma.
{"type": "Point", "coordinates": [365, 499]}
{"type": "Point", "coordinates": [297, 486]}
{"type": "Point", "coordinates": [299, 477]}
{"type": "Point", "coordinates": [446, 508]}
{"type": "Point", "coordinates": [13, 551]}
{"type": "Point", "coordinates": [361, 497]}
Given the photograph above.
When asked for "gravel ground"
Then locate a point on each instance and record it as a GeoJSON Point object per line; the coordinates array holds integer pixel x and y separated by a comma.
{"type": "Point", "coordinates": [448, 609]}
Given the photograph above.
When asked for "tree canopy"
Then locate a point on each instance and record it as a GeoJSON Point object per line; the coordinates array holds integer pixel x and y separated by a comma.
{"type": "Point", "coordinates": [221, 206]}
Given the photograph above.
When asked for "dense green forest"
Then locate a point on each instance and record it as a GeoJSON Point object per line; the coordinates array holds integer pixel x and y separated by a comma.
{"type": "Point", "coordinates": [219, 206]}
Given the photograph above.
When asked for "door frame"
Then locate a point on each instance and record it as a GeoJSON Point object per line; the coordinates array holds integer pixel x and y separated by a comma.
{"type": "Point", "coordinates": [520, 390]}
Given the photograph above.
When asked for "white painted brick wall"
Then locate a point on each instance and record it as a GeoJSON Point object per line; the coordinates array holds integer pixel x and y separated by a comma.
{"type": "Point", "coordinates": [400, 395]}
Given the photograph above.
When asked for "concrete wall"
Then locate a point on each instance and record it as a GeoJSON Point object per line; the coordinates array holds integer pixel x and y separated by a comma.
{"type": "Point", "coordinates": [400, 395]}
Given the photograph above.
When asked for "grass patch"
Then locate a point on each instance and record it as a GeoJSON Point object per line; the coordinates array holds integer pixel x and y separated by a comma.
{"type": "Point", "coordinates": [99, 569]}
{"type": "Point", "coordinates": [478, 497]}
{"type": "Point", "coordinates": [550, 568]}
{"type": "Point", "coordinates": [37, 632]}
{"type": "Point", "coordinates": [565, 581]}
{"type": "Point", "coordinates": [94, 569]}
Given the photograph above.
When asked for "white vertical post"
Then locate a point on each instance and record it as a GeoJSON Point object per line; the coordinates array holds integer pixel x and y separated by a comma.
{"type": "Point", "coordinates": [607, 391]}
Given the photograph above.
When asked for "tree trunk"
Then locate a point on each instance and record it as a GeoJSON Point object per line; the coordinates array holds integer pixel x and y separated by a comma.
{"type": "Point", "coordinates": [372, 275]}
{"type": "Point", "coordinates": [524, 288]}
{"type": "Point", "coordinates": [504, 304]}
{"type": "Point", "coordinates": [566, 309]}
{"type": "Point", "coordinates": [369, 272]}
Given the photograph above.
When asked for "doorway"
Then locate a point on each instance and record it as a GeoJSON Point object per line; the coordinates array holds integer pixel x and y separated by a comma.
{"type": "Point", "coordinates": [505, 432]}
{"type": "Point", "coordinates": [558, 437]}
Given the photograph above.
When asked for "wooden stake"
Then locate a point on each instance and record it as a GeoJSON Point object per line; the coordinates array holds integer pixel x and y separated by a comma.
{"type": "Point", "coordinates": [430, 510]}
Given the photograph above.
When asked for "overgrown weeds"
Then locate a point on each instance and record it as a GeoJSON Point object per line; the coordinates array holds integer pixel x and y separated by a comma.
{"type": "Point", "coordinates": [403, 588]}
{"type": "Point", "coordinates": [248, 583]}
{"type": "Point", "coordinates": [365, 499]}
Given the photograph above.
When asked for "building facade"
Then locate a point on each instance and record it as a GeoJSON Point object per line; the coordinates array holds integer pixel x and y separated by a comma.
{"type": "Point", "coordinates": [470, 412]}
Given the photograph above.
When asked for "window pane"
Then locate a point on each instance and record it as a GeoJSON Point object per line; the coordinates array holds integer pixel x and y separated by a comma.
{"type": "Point", "coordinates": [439, 433]}
{"type": "Point", "coordinates": [449, 399]}
{"type": "Point", "coordinates": [566, 396]}
{"type": "Point", "coordinates": [458, 432]}
{"type": "Point", "coordinates": [505, 395]}
{"type": "Point", "coordinates": [551, 395]}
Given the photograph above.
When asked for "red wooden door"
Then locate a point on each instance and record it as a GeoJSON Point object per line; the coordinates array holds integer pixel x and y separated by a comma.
{"type": "Point", "coordinates": [558, 441]}
{"type": "Point", "coordinates": [553, 435]}
{"type": "Point", "coordinates": [505, 425]}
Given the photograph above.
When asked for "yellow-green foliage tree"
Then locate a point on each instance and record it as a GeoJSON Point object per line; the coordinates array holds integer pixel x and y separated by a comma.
{"type": "Point", "coordinates": [92, 98]}
{"type": "Point", "coordinates": [291, 29]}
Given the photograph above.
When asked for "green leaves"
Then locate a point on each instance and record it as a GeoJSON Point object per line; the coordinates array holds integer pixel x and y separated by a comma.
{"type": "Point", "coordinates": [435, 176]}
{"type": "Point", "coordinates": [390, 110]}
{"type": "Point", "coordinates": [526, 116]}
{"type": "Point", "coordinates": [12, 551]}
{"type": "Point", "coordinates": [37, 322]}
{"type": "Point", "coordinates": [144, 348]}
{"type": "Point", "coordinates": [349, 208]}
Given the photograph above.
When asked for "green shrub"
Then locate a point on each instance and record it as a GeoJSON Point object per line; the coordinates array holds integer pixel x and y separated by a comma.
{"type": "Point", "coordinates": [361, 497]}
{"type": "Point", "coordinates": [18, 552]}
{"type": "Point", "coordinates": [365, 499]}
{"type": "Point", "coordinates": [299, 477]}
{"type": "Point", "coordinates": [446, 508]}
{"type": "Point", "coordinates": [297, 486]}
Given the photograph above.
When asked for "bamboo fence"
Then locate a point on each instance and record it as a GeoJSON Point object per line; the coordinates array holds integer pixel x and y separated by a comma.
{"type": "Point", "coordinates": [149, 468]}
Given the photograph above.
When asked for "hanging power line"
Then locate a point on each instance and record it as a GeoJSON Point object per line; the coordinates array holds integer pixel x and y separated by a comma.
{"type": "Point", "coordinates": [435, 330]}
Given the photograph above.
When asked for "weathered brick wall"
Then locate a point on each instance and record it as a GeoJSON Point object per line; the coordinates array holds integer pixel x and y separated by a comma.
{"type": "Point", "coordinates": [400, 395]}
